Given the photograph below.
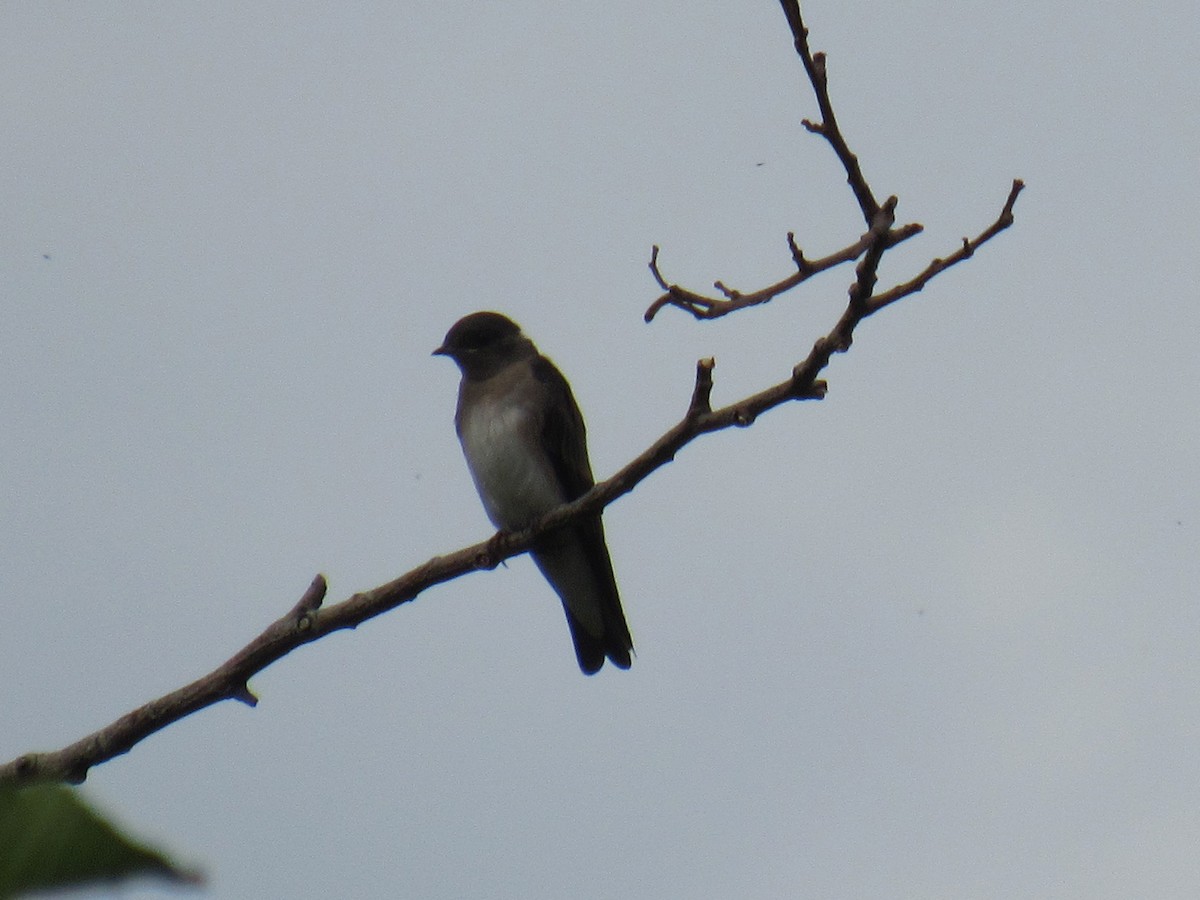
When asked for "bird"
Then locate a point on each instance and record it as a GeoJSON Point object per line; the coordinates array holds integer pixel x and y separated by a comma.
{"type": "Point", "coordinates": [525, 444]}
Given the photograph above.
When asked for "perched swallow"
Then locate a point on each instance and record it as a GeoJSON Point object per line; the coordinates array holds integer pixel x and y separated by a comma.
{"type": "Point", "coordinates": [526, 446]}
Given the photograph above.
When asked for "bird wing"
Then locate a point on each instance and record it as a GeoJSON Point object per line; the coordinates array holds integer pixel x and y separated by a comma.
{"type": "Point", "coordinates": [563, 434]}
{"type": "Point", "coordinates": [564, 439]}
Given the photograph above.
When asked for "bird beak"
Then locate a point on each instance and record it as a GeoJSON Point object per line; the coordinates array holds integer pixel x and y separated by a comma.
{"type": "Point", "coordinates": [441, 351]}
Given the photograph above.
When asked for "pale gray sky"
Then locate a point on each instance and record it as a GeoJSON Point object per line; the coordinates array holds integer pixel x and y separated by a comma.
{"type": "Point", "coordinates": [934, 637]}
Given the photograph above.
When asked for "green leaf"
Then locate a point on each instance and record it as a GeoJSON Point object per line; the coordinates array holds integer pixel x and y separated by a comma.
{"type": "Point", "coordinates": [51, 838]}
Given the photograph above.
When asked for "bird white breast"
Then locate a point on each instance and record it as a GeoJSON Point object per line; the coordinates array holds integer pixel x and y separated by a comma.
{"type": "Point", "coordinates": [509, 467]}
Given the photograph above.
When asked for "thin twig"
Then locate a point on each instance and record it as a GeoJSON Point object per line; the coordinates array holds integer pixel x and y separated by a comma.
{"type": "Point", "coordinates": [939, 265]}
{"type": "Point", "coordinates": [702, 394]}
{"type": "Point", "coordinates": [814, 67]}
{"type": "Point", "coordinates": [705, 307]}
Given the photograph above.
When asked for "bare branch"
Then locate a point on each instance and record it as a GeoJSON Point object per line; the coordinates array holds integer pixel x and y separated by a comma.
{"type": "Point", "coordinates": [873, 241]}
{"type": "Point", "coordinates": [704, 307]}
{"type": "Point", "coordinates": [814, 67]}
{"type": "Point", "coordinates": [937, 266]}
{"type": "Point", "coordinates": [226, 682]}
{"type": "Point", "coordinates": [308, 620]}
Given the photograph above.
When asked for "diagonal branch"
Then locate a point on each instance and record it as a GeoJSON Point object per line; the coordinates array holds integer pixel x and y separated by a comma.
{"type": "Point", "coordinates": [814, 67]}
{"type": "Point", "coordinates": [308, 620]}
{"type": "Point", "coordinates": [966, 251]}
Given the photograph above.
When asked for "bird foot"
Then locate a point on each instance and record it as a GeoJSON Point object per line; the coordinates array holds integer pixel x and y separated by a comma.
{"type": "Point", "coordinates": [493, 555]}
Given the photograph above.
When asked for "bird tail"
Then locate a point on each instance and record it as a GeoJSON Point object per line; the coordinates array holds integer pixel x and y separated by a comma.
{"type": "Point", "coordinates": [575, 561]}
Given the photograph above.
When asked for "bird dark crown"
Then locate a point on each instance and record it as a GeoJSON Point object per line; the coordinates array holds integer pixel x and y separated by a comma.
{"type": "Point", "coordinates": [481, 329]}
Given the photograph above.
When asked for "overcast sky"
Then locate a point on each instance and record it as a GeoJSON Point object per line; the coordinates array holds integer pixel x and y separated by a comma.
{"type": "Point", "coordinates": [933, 637]}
